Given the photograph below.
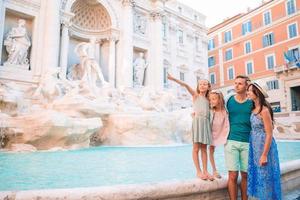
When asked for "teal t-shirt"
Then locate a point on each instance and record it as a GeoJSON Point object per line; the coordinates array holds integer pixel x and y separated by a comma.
{"type": "Point", "coordinates": [239, 119]}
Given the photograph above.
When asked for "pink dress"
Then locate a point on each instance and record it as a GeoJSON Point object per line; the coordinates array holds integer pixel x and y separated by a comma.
{"type": "Point", "coordinates": [220, 127]}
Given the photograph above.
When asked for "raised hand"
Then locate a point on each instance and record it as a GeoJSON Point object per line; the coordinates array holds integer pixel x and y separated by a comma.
{"type": "Point", "coordinates": [183, 84]}
{"type": "Point", "coordinates": [170, 77]}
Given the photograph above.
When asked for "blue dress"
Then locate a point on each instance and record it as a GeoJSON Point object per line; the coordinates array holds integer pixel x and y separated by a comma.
{"type": "Point", "coordinates": [263, 182]}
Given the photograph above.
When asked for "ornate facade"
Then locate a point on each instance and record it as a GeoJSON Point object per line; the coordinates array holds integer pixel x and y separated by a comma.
{"type": "Point", "coordinates": [171, 37]}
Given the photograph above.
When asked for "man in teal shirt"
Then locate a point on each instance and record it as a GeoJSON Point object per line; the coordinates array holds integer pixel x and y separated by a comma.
{"type": "Point", "coordinates": [239, 108]}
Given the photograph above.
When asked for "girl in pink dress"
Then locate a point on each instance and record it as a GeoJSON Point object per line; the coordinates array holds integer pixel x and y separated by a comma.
{"type": "Point", "coordinates": [219, 125]}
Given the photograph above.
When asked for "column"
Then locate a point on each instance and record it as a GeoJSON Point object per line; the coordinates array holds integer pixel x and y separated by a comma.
{"type": "Point", "coordinates": [155, 68]}
{"type": "Point", "coordinates": [64, 47]}
{"type": "Point", "coordinates": [112, 62]}
{"type": "Point", "coordinates": [97, 52]}
{"type": "Point", "coordinates": [125, 71]}
{"type": "Point", "coordinates": [52, 34]}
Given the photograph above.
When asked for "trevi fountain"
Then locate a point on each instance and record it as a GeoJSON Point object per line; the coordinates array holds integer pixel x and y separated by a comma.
{"type": "Point", "coordinates": [87, 78]}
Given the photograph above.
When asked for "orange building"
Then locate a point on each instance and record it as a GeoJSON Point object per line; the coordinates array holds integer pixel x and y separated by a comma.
{"type": "Point", "coordinates": [264, 44]}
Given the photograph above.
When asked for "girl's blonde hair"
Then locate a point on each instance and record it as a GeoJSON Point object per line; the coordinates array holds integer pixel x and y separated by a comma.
{"type": "Point", "coordinates": [208, 90]}
{"type": "Point", "coordinates": [220, 96]}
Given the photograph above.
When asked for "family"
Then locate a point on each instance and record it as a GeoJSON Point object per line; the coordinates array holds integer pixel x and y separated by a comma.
{"type": "Point", "coordinates": [243, 123]}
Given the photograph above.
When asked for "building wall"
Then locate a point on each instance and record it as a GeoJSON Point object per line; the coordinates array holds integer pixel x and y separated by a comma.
{"type": "Point", "coordinates": [127, 41]}
{"type": "Point", "coordinates": [261, 73]}
{"type": "Point", "coordinates": [176, 57]}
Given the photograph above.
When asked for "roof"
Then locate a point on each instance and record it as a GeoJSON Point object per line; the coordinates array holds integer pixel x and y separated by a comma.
{"type": "Point", "coordinates": [236, 17]}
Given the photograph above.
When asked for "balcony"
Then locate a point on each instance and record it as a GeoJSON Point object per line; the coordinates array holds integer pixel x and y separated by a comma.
{"type": "Point", "coordinates": [286, 67]}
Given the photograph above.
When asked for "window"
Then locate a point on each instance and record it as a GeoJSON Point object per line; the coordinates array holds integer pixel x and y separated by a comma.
{"type": "Point", "coordinates": [228, 54]}
{"type": "Point", "coordinates": [195, 17]}
{"type": "Point", "coordinates": [227, 36]}
{"type": "Point", "coordinates": [212, 78]}
{"type": "Point", "coordinates": [270, 61]}
{"type": "Point", "coordinates": [180, 36]}
{"type": "Point", "coordinates": [164, 30]}
{"type": "Point", "coordinates": [246, 28]}
{"type": "Point", "coordinates": [179, 9]}
{"type": "Point", "coordinates": [273, 85]}
{"type": "Point", "coordinates": [230, 73]}
{"type": "Point", "coordinates": [165, 76]}
{"type": "Point", "coordinates": [292, 29]}
{"type": "Point", "coordinates": [291, 7]}
{"type": "Point", "coordinates": [268, 39]}
{"type": "Point", "coordinates": [248, 47]}
{"type": "Point", "coordinates": [267, 18]}
{"type": "Point", "coordinates": [197, 43]}
{"type": "Point", "coordinates": [181, 76]}
{"type": "Point", "coordinates": [211, 61]}
{"type": "Point", "coordinates": [211, 44]}
{"type": "Point", "coordinates": [293, 55]}
{"type": "Point", "coordinates": [276, 106]}
{"type": "Point", "coordinates": [249, 67]}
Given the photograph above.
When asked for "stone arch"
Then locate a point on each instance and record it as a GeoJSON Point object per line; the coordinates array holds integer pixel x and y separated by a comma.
{"type": "Point", "coordinates": [90, 16]}
{"type": "Point", "coordinates": [105, 4]}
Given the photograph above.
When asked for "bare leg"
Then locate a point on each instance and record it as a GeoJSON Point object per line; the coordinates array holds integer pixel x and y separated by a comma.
{"type": "Point", "coordinates": [196, 160]}
{"type": "Point", "coordinates": [244, 186]}
{"type": "Point", "coordinates": [212, 161]}
{"type": "Point", "coordinates": [232, 185]}
{"type": "Point", "coordinates": [211, 158]}
{"type": "Point", "coordinates": [204, 161]}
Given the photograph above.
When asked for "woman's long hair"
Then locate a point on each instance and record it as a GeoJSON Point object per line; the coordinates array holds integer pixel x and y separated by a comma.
{"type": "Point", "coordinates": [262, 100]}
{"type": "Point", "coordinates": [208, 90]}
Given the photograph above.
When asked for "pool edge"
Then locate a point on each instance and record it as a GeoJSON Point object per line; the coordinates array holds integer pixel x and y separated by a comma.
{"type": "Point", "coordinates": [173, 190]}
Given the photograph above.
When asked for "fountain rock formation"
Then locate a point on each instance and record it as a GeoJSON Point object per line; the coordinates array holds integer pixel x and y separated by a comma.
{"type": "Point", "coordinates": [62, 113]}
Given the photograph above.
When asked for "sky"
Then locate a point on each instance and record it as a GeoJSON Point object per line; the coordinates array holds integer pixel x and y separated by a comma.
{"type": "Point", "coordinates": [218, 10]}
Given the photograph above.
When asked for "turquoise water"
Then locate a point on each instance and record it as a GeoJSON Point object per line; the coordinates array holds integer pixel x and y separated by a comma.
{"type": "Point", "coordinates": [103, 166]}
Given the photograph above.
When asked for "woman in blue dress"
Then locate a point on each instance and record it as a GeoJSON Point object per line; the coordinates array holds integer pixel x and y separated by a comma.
{"type": "Point", "coordinates": [263, 170]}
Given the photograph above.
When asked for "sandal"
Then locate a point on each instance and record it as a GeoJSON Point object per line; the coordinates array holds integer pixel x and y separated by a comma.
{"type": "Point", "coordinates": [217, 175]}
{"type": "Point", "coordinates": [209, 177]}
{"type": "Point", "coordinates": [202, 176]}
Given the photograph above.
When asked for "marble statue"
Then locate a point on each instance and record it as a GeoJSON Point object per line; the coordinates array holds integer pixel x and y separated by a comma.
{"type": "Point", "coordinates": [49, 86]}
{"type": "Point", "coordinates": [75, 73]}
{"type": "Point", "coordinates": [17, 44]}
{"type": "Point", "coordinates": [139, 67]}
{"type": "Point", "coordinates": [88, 70]}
